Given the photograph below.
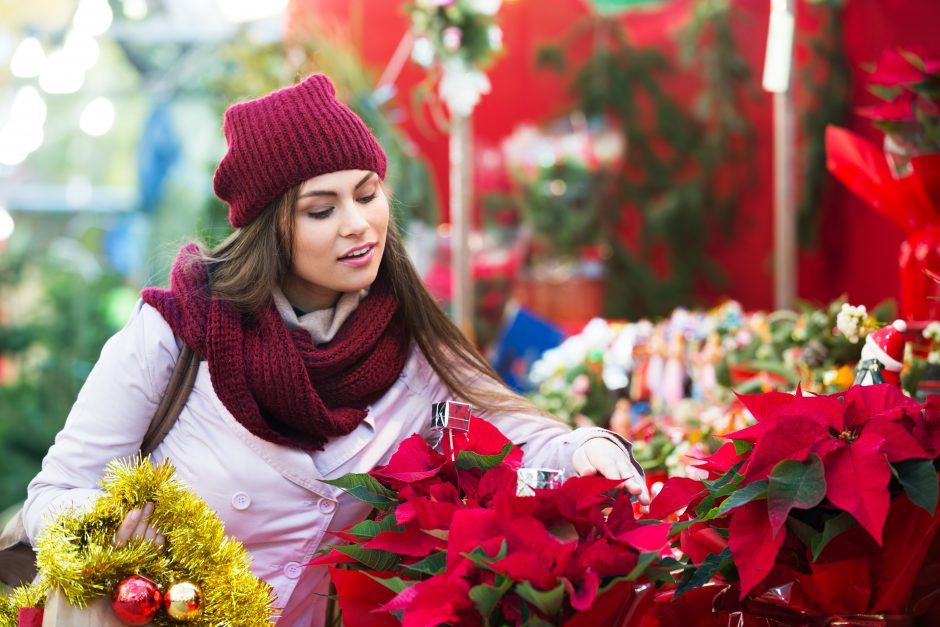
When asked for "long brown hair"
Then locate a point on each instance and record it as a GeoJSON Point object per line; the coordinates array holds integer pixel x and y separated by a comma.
{"type": "Point", "coordinates": [245, 266]}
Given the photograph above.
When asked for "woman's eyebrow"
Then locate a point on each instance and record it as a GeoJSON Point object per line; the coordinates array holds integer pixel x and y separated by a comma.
{"type": "Point", "coordinates": [317, 192]}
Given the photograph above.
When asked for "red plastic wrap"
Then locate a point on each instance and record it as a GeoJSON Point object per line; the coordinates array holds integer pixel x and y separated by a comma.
{"type": "Point", "coordinates": [911, 202]}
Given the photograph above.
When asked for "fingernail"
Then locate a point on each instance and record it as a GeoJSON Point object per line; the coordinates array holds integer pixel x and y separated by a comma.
{"type": "Point", "coordinates": [148, 509]}
{"type": "Point", "coordinates": [134, 514]}
{"type": "Point", "coordinates": [158, 539]}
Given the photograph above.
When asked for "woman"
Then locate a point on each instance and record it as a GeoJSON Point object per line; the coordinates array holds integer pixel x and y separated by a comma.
{"type": "Point", "coordinates": [321, 351]}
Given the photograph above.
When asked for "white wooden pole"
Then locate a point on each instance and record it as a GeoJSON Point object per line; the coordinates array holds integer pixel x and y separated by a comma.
{"type": "Point", "coordinates": [778, 80]}
{"type": "Point", "coordinates": [461, 202]}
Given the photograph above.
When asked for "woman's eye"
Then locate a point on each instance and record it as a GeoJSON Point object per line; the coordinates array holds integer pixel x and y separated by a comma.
{"type": "Point", "coordinates": [367, 199]}
{"type": "Point", "coordinates": [322, 214]}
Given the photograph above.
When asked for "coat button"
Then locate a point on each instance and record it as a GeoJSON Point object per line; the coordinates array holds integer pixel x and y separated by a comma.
{"type": "Point", "coordinates": [292, 570]}
{"type": "Point", "coordinates": [326, 506]}
{"type": "Point", "coordinates": [241, 501]}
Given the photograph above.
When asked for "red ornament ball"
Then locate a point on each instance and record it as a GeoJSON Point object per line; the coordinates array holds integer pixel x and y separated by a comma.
{"type": "Point", "coordinates": [135, 600]}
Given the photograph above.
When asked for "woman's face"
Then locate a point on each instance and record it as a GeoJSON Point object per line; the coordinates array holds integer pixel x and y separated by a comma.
{"type": "Point", "coordinates": [340, 225]}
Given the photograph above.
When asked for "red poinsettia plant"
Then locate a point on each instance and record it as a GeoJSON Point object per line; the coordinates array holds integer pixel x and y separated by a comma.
{"type": "Point", "coordinates": [908, 81]}
{"type": "Point", "coordinates": [826, 506]}
{"type": "Point", "coordinates": [452, 543]}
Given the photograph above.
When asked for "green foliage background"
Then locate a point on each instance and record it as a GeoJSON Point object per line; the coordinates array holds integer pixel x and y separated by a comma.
{"type": "Point", "coordinates": [76, 306]}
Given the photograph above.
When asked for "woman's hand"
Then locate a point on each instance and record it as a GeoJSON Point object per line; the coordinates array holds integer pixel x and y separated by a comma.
{"type": "Point", "coordinates": [601, 456]}
{"type": "Point", "coordinates": [136, 525]}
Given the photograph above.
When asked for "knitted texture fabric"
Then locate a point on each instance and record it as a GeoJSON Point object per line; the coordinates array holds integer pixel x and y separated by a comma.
{"type": "Point", "coordinates": [275, 381]}
{"type": "Point", "coordinates": [280, 140]}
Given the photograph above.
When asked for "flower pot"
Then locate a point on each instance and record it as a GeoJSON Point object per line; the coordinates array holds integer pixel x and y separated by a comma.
{"type": "Point", "coordinates": [570, 300]}
{"type": "Point", "coordinates": [625, 604]}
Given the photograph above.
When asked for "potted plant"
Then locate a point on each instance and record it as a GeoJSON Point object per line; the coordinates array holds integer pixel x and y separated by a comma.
{"type": "Point", "coordinates": [562, 176]}
{"type": "Point", "coordinates": [825, 508]}
{"type": "Point", "coordinates": [453, 542]}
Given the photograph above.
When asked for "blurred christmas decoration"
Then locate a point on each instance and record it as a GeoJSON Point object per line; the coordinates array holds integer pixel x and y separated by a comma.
{"type": "Point", "coordinates": [458, 38]}
{"type": "Point", "coordinates": [612, 7]}
{"type": "Point", "coordinates": [669, 386]}
{"type": "Point", "coordinates": [667, 194]}
{"type": "Point", "coordinates": [75, 556]}
{"type": "Point", "coordinates": [562, 174]}
{"type": "Point", "coordinates": [455, 40]}
{"type": "Point", "coordinates": [882, 357]}
{"type": "Point", "coordinates": [902, 181]}
{"type": "Point", "coordinates": [652, 364]}
{"type": "Point", "coordinates": [909, 83]}
{"type": "Point", "coordinates": [561, 178]}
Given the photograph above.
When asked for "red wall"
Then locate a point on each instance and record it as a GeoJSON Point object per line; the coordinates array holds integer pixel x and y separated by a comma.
{"type": "Point", "coordinates": [857, 251]}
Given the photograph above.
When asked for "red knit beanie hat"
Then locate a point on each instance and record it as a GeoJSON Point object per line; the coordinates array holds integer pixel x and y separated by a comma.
{"type": "Point", "coordinates": [280, 140]}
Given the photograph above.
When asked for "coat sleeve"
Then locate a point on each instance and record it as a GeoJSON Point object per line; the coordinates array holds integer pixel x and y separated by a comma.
{"type": "Point", "coordinates": [546, 442]}
{"type": "Point", "coordinates": [108, 420]}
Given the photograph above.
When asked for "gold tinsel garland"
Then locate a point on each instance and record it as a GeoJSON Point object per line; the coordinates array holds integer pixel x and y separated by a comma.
{"type": "Point", "coordinates": [75, 552]}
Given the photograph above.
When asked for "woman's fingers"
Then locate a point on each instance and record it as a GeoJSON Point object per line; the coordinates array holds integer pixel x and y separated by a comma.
{"type": "Point", "coordinates": [581, 464]}
{"type": "Point", "coordinates": [123, 534]}
{"type": "Point", "coordinates": [136, 525]}
{"type": "Point", "coordinates": [140, 531]}
{"type": "Point", "coordinates": [600, 456]}
{"type": "Point", "coordinates": [634, 484]}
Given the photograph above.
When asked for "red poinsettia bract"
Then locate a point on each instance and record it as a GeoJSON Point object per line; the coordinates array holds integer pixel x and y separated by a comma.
{"type": "Point", "coordinates": [837, 452]}
{"type": "Point", "coordinates": [459, 546]}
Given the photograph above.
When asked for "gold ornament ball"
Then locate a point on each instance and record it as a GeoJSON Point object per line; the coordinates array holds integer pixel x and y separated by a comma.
{"type": "Point", "coordinates": [183, 601]}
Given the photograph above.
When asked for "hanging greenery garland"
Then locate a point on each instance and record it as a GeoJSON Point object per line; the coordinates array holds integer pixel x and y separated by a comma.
{"type": "Point", "coordinates": [75, 555]}
{"type": "Point", "coordinates": [824, 82]}
{"type": "Point", "coordinates": [685, 168]}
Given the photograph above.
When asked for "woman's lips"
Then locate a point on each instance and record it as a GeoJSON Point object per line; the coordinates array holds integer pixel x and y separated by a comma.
{"type": "Point", "coordinates": [359, 260]}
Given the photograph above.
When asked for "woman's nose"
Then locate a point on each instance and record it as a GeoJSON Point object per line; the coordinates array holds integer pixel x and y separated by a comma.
{"type": "Point", "coordinates": [354, 220]}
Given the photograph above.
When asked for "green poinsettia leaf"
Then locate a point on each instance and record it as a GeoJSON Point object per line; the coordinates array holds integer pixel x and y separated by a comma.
{"type": "Point", "coordinates": [741, 447]}
{"type": "Point", "coordinates": [467, 460]}
{"type": "Point", "coordinates": [375, 559]}
{"type": "Point", "coordinates": [914, 59]}
{"type": "Point", "coordinates": [805, 532]}
{"type": "Point", "coordinates": [433, 564]}
{"type": "Point", "coordinates": [682, 525]}
{"type": "Point", "coordinates": [486, 597]}
{"type": "Point", "coordinates": [698, 577]}
{"type": "Point", "coordinates": [832, 528]}
{"type": "Point", "coordinates": [366, 495]}
{"type": "Point", "coordinates": [918, 477]}
{"type": "Point", "coordinates": [395, 584]}
{"type": "Point", "coordinates": [479, 557]}
{"type": "Point", "coordinates": [755, 490]}
{"type": "Point", "coordinates": [794, 484]}
{"type": "Point", "coordinates": [644, 560]}
{"type": "Point", "coordinates": [546, 601]}
{"type": "Point", "coordinates": [884, 92]}
{"type": "Point", "coordinates": [372, 528]}
{"type": "Point", "coordinates": [731, 477]}
{"type": "Point", "coordinates": [361, 480]}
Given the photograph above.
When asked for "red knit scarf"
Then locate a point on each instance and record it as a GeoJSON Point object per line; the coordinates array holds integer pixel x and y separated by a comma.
{"type": "Point", "coordinates": [276, 382]}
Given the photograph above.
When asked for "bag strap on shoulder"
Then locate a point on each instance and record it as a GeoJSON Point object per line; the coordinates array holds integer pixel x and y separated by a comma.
{"type": "Point", "coordinates": [174, 399]}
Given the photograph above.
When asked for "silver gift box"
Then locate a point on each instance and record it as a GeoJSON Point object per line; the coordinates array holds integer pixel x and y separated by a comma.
{"type": "Point", "coordinates": [450, 415]}
{"type": "Point", "coordinates": [530, 479]}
